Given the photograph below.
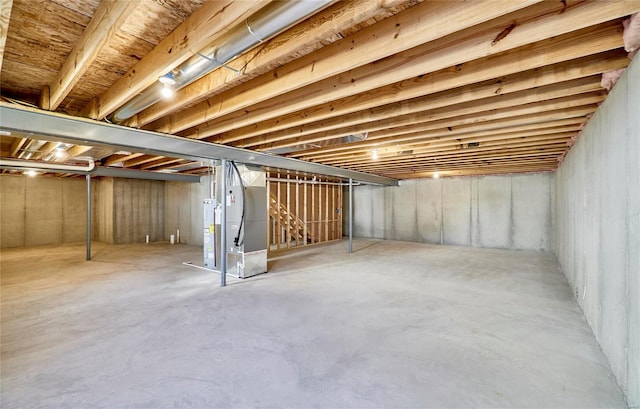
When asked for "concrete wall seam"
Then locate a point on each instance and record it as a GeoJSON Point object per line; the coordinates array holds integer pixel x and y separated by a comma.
{"type": "Point", "coordinates": [511, 211]}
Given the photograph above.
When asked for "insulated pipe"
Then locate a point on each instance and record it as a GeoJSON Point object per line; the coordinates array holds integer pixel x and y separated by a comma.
{"type": "Point", "coordinates": [350, 215]}
{"type": "Point", "coordinates": [33, 165]}
{"type": "Point", "coordinates": [264, 24]}
{"type": "Point", "coordinates": [88, 177]}
{"type": "Point", "coordinates": [223, 226]}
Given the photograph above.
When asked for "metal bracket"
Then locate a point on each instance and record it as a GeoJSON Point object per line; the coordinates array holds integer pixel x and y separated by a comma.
{"type": "Point", "coordinates": [213, 59]}
{"type": "Point", "coordinates": [260, 40]}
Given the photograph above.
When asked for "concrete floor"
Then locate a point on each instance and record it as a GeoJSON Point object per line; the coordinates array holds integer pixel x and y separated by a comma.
{"type": "Point", "coordinates": [395, 324]}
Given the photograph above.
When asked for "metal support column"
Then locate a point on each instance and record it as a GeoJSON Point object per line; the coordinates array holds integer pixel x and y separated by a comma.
{"type": "Point", "coordinates": [350, 215]}
{"type": "Point", "coordinates": [88, 177]}
{"type": "Point", "coordinates": [223, 225]}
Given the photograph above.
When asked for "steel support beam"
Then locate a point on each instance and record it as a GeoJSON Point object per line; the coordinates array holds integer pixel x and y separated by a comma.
{"type": "Point", "coordinates": [141, 174]}
{"type": "Point", "coordinates": [223, 225]}
{"type": "Point", "coordinates": [350, 215]}
{"type": "Point", "coordinates": [88, 177]}
{"type": "Point", "coordinates": [51, 126]}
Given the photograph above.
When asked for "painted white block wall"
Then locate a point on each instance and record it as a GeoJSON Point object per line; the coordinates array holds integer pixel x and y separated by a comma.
{"type": "Point", "coordinates": [598, 228]}
{"type": "Point", "coordinates": [511, 211]}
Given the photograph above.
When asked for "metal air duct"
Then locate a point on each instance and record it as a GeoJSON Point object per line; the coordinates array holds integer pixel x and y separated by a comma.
{"type": "Point", "coordinates": [264, 24]}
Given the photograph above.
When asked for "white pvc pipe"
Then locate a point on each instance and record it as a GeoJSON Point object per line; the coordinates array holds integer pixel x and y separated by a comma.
{"type": "Point", "coordinates": [32, 165]}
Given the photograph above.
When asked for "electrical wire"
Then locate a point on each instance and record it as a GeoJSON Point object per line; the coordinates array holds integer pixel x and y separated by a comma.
{"type": "Point", "coordinates": [238, 240]}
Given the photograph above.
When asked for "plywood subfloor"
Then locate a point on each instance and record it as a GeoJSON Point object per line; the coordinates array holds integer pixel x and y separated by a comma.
{"type": "Point", "coordinates": [393, 325]}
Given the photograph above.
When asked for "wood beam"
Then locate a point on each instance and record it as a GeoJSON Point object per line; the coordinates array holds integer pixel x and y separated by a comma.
{"type": "Point", "coordinates": [179, 165]}
{"type": "Point", "coordinates": [567, 125]}
{"type": "Point", "coordinates": [205, 25]}
{"type": "Point", "coordinates": [443, 148]}
{"type": "Point", "coordinates": [278, 51]}
{"type": "Point", "coordinates": [45, 101]}
{"type": "Point", "coordinates": [491, 125]}
{"type": "Point", "coordinates": [417, 25]}
{"type": "Point", "coordinates": [451, 51]}
{"type": "Point", "coordinates": [47, 148]}
{"type": "Point", "coordinates": [453, 159]}
{"type": "Point", "coordinates": [17, 144]}
{"type": "Point", "coordinates": [141, 160]}
{"type": "Point", "coordinates": [558, 73]}
{"type": "Point", "coordinates": [5, 17]}
{"type": "Point", "coordinates": [113, 159]}
{"type": "Point", "coordinates": [75, 150]}
{"type": "Point", "coordinates": [104, 24]}
{"type": "Point", "coordinates": [490, 70]}
{"type": "Point", "coordinates": [196, 171]}
{"type": "Point", "coordinates": [515, 161]}
{"type": "Point", "coordinates": [458, 143]}
{"type": "Point", "coordinates": [414, 123]}
{"type": "Point", "coordinates": [160, 162]}
{"type": "Point", "coordinates": [485, 171]}
{"type": "Point", "coordinates": [410, 112]}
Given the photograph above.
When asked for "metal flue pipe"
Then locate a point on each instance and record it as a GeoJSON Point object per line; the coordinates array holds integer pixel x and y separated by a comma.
{"type": "Point", "coordinates": [264, 24]}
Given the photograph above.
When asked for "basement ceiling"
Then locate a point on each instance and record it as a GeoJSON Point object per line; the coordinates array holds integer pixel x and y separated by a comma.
{"type": "Point", "coordinates": [396, 88]}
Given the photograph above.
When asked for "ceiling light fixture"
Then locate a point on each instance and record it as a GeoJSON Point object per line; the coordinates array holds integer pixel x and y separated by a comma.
{"type": "Point", "coordinates": [60, 152]}
{"type": "Point", "coordinates": [168, 81]}
{"type": "Point", "coordinates": [30, 173]}
{"type": "Point", "coordinates": [436, 175]}
{"type": "Point", "coordinates": [374, 154]}
{"type": "Point", "coordinates": [167, 92]}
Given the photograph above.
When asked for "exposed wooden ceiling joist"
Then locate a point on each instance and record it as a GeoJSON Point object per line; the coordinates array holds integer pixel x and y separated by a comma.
{"type": "Point", "coordinates": [274, 53]}
{"type": "Point", "coordinates": [5, 13]}
{"type": "Point", "coordinates": [416, 115]}
{"type": "Point", "coordinates": [392, 36]}
{"type": "Point", "coordinates": [493, 125]}
{"type": "Point", "coordinates": [456, 87]}
{"type": "Point", "coordinates": [209, 22]}
{"type": "Point", "coordinates": [103, 27]}
{"type": "Point", "coordinates": [533, 24]}
{"type": "Point", "coordinates": [547, 75]}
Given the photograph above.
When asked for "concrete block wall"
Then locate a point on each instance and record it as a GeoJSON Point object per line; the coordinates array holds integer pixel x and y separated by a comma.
{"type": "Point", "coordinates": [598, 229]}
{"type": "Point", "coordinates": [38, 210]}
{"type": "Point", "coordinates": [184, 210]}
{"type": "Point", "coordinates": [511, 211]}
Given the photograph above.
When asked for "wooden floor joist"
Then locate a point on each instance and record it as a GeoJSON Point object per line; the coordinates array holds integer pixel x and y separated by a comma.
{"type": "Point", "coordinates": [494, 124]}
{"type": "Point", "coordinates": [408, 29]}
{"type": "Point", "coordinates": [459, 48]}
{"type": "Point", "coordinates": [448, 116]}
{"type": "Point", "coordinates": [401, 88]}
{"type": "Point", "coordinates": [524, 83]}
{"type": "Point", "coordinates": [336, 18]}
{"type": "Point", "coordinates": [440, 146]}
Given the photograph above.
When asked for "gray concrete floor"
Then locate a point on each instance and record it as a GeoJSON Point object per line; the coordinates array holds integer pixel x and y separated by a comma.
{"type": "Point", "coordinates": [393, 325]}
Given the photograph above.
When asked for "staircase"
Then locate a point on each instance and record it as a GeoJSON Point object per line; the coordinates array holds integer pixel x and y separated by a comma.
{"type": "Point", "coordinates": [287, 220]}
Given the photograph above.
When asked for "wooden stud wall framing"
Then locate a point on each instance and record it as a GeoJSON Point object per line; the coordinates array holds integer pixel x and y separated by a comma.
{"type": "Point", "coordinates": [302, 212]}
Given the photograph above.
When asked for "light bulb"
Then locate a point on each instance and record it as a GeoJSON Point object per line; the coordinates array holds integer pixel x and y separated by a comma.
{"type": "Point", "coordinates": [60, 153]}
{"type": "Point", "coordinates": [30, 173]}
{"type": "Point", "coordinates": [374, 154]}
{"type": "Point", "coordinates": [167, 92]}
{"type": "Point", "coordinates": [436, 175]}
